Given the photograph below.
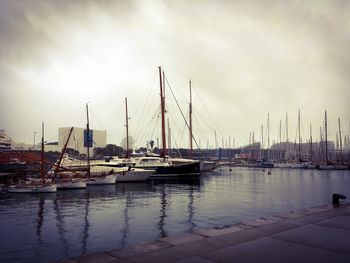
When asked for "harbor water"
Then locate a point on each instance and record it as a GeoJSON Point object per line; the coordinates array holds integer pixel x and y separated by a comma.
{"type": "Point", "coordinates": [48, 227]}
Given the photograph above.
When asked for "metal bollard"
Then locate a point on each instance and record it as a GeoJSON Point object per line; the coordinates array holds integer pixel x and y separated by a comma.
{"type": "Point", "coordinates": [336, 197]}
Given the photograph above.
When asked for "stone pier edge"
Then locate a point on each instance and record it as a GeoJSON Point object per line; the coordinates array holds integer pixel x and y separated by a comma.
{"type": "Point", "coordinates": [125, 253]}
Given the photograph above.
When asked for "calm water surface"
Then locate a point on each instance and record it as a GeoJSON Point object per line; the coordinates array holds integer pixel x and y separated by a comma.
{"type": "Point", "coordinates": [47, 227]}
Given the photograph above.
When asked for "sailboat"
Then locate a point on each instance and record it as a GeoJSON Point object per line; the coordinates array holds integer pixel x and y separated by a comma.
{"type": "Point", "coordinates": [205, 166]}
{"type": "Point", "coordinates": [130, 173]}
{"type": "Point", "coordinates": [266, 163]}
{"type": "Point", "coordinates": [35, 186]}
{"type": "Point", "coordinates": [163, 165]}
{"type": "Point", "coordinates": [300, 164]}
{"type": "Point", "coordinates": [328, 165]}
{"type": "Point", "coordinates": [67, 179]}
{"type": "Point", "coordinates": [96, 175]}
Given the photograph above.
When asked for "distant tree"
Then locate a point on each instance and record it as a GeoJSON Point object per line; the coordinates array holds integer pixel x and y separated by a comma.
{"type": "Point", "coordinates": [72, 152]}
{"type": "Point", "coordinates": [142, 149]}
{"type": "Point", "coordinates": [110, 149]}
{"type": "Point", "coordinates": [151, 143]}
{"type": "Point", "coordinates": [131, 143]}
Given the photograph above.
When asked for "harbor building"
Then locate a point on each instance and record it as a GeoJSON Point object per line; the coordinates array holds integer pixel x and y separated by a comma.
{"type": "Point", "coordinates": [78, 140]}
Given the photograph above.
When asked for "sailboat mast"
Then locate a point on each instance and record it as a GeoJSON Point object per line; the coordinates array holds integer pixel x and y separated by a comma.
{"type": "Point", "coordinates": [325, 125]}
{"type": "Point", "coordinates": [340, 141]}
{"type": "Point", "coordinates": [62, 153]}
{"type": "Point", "coordinates": [88, 139]}
{"type": "Point", "coordinates": [42, 152]}
{"type": "Point", "coordinates": [299, 140]}
{"type": "Point", "coordinates": [311, 151]}
{"type": "Point", "coordinates": [162, 106]}
{"type": "Point", "coordinates": [262, 141]}
{"type": "Point", "coordinates": [191, 142]}
{"type": "Point", "coordinates": [127, 127]}
{"type": "Point", "coordinates": [169, 139]}
{"type": "Point", "coordinates": [268, 135]}
{"type": "Point", "coordinates": [287, 139]}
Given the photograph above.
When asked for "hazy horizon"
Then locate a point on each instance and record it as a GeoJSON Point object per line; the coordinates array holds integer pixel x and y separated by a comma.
{"type": "Point", "coordinates": [245, 59]}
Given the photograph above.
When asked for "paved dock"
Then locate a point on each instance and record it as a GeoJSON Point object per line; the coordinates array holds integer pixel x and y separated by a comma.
{"type": "Point", "coordinates": [318, 234]}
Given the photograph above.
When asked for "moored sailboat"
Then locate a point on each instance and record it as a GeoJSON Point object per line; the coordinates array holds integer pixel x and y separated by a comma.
{"type": "Point", "coordinates": [41, 185]}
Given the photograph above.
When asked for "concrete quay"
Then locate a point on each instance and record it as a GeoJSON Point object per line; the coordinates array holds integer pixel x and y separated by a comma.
{"type": "Point", "coordinates": [318, 234]}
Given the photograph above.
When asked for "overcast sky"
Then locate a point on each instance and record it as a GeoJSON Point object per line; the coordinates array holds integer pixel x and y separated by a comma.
{"type": "Point", "coordinates": [245, 58]}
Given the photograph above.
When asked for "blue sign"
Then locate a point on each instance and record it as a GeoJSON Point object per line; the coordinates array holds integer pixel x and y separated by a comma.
{"type": "Point", "coordinates": [88, 139]}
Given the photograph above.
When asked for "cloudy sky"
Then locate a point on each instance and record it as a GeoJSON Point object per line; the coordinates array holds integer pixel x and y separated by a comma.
{"type": "Point", "coordinates": [245, 59]}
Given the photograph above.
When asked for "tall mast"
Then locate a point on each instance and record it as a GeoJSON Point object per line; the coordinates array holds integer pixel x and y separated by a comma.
{"type": "Point", "coordinates": [280, 142]}
{"type": "Point", "coordinates": [42, 152]}
{"type": "Point", "coordinates": [127, 127]}
{"type": "Point", "coordinates": [280, 132]}
{"type": "Point", "coordinates": [311, 150]}
{"type": "Point", "coordinates": [299, 142]}
{"type": "Point", "coordinates": [162, 108]}
{"type": "Point", "coordinates": [340, 141]}
{"type": "Point", "coordinates": [262, 141]}
{"type": "Point", "coordinates": [191, 142]}
{"type": "Point", "coordinates": [268, 135]}
{"type": "Point", "coordinates": [325, 126]}
{"type": "Point", "coordinates": [287, 139]}
{"type": "Point", "coordinates": [169, 138]}
{"type": "Point", "coordinates": [62, 153]}
{"type": "Point", "coordinates": [88, 139]}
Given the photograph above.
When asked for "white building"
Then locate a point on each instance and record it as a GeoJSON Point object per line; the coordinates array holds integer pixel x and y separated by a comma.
{"type": "Point", "coordinates": [76, 140]}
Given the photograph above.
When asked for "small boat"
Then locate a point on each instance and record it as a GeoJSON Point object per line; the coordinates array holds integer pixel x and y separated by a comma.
{"type": "Point", "coordinates": [32, 188]}
{"type": "Point", "coordinates": [266, 164]}
{"type": "Point", "coordinates": [35, 185]}
{"type": "Point", "coordinates": [101, 175]}
{"type": "Point", "coordinates": [207, 166]}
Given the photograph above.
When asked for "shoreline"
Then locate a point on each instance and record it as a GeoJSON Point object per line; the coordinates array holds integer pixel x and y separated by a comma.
{"type": "Point", "coordinates": [206, 245]}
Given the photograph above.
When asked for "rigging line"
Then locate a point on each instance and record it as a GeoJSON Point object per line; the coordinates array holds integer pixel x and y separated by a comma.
{"type": "Point", "coordinates": [210, 117]}
{"type": "Point", "coordinates": [177, 147]}
{"type": "Point", "coordinates": [182, 133]}
{"type": "Point", "coordinates": [150, 132]}
{"type": "Point", "coordinates": [147, 101]}
{"type": "Point", "coordinates": [92, 114]}
{"type": "Point", "coordinates": [203, 119]}
{"type": "Point", "coordinates": [166, 80]}
{"type": "Point", "coordinates": [143, 115]}
{"type": "Point", "coordinates": [153, 121]}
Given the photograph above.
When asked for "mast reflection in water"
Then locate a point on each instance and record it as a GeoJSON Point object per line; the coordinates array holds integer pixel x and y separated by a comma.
{"type": "Point", "coordinates": [48, 227]}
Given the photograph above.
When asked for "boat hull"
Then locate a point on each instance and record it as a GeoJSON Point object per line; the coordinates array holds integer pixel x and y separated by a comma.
{"type": "Point", "coordinates": [181, 170]}
{"type": "Point", "coordinates": [52, 188]}
{"type": "Point", "coordinates": [134, 175]}
{"type": "Point", "coordinates": [71, 185]}
{"type": "Point", "coordinates": [101, 180]}
{"type": "Point", "coordinates": [207, 166]}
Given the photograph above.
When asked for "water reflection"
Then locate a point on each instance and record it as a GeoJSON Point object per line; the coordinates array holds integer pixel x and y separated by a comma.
{"type": "Point", "coordinates": [190, 210]}
{"type": "Point", "coordinates": [60, 228]}
{"type": "Point", "coordinates": [40, 218]}
{"type": "Point", "coordinates": [75, 222]}
{"type": "Point", "coordinates": [126, 218]}
{"type": "Point", "coordinates": [163, 215]}
{"type": "Point", "coordinates": [85, 232]}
